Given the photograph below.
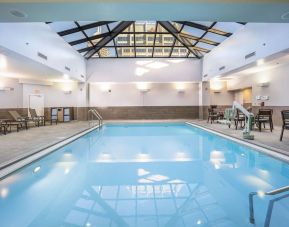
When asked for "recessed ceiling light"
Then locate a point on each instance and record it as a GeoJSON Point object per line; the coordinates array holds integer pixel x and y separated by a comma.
{"type": "Point", "coordinates": [18, 13]}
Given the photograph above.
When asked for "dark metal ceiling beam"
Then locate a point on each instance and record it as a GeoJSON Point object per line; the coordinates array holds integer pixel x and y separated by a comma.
{"type": "Point", "coordinates": [204, 28]}
{"type": "Point", "coordinates": [129, 46]}
{"type": "Point", "coordinates": [92, 38]}
{"type": "Point", "coordinates": [84, 27]}
{"type": "Point", "coordinates": [114, 32]}
{"type": "Point", "coordinates": [174, 32]}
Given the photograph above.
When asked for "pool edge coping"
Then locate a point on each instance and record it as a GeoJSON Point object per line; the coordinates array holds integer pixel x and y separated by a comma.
{"type": "Point", "coordinates": [13, 165]}
{"type": "Point", "coordinates": [271, 151]}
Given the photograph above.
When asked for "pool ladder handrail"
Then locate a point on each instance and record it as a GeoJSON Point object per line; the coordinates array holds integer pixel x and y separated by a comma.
{"type": "Point", "coordinates": [251, 201]}
{"type": "Point", "coordinates": [97, 115]}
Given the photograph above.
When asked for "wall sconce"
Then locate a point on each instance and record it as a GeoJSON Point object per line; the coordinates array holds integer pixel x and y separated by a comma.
{"type": "Point", "coordinates": [143, 87]}
{"type": "Point", "coordinates": [180, 87]}
{"type": "Point", "coordinates": [67, 92]}
{"type": "Point", "coordinates": [264, 84]}
{"type": "Point", "coordinates": [105, 87]}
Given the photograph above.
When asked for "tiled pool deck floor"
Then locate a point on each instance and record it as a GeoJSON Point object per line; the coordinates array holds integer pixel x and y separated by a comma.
{"type": "Point", "coordinates": [14, 145]}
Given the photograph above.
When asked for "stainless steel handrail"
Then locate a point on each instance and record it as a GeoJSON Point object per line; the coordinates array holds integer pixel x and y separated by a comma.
{"type": "Point", "coordinates": [251, 201]}
{"type": "Point", "coordinates": [97, 115]}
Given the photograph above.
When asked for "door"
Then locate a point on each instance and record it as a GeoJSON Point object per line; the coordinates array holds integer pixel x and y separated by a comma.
{"type": "Point", "coordinates": [36, 101]}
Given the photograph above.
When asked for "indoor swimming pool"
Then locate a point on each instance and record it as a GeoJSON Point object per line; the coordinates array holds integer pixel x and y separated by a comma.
{"type": "Point", "coordinates": [147, 175]}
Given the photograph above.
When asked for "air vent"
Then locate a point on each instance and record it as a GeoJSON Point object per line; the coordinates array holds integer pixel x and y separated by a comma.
{"type": "Point", "coordinates": [250, 55]}
{"type": "Point", "coordinates": [222, 68]}
{"type": "Point", "coordinates": [43, 56]}
{"type": "Point", "coordinates": [67, 68]}
{"type": "Point", "coordinates": [205, 75]}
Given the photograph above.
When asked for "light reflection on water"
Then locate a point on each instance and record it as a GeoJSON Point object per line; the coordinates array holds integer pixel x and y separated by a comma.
{"type": "Point", "coordinates": [144, 175]}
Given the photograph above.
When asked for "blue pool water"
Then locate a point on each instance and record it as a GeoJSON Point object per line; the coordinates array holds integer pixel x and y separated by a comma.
{"type": "Point", "coordinates": [146, 175]}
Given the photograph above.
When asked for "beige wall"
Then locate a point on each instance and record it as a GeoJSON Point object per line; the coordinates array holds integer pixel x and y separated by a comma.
{"type": "Point", "coordinates": [159, 94]}
{"type": "Point", "coordinates": [278, 89]}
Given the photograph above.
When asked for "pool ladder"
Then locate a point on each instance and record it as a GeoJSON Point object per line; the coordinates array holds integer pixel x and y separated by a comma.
{"type": "Point", "coordinates": [92, 114]}
{"type": "Point", "coordinates": [270, 206]}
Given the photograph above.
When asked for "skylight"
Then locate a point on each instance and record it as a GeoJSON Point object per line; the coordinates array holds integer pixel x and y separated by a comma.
{"type": "Point", "coordinates": [144, 39]}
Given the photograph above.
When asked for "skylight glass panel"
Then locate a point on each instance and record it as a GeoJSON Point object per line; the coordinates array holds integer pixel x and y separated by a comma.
{"type": "Point", "coordinates": [177, 26]}
{"type": "Point", "coordinates": [162, 52]}
{"type": "Point", "coordinates": [193, 31]}
{"type": "Point", "coordinates": [144, 51]}
{"type": "Point", "coordinates": [215, 37]}
{"type": "Point", "coordinates": [228, 26]}
{"type": "Point", "coordinates": [113, 25]}
{"type": "Point", "coordinates": [140, 40]}
{"type": "Point", "coordinates": [96, 31]}
{"type": "Point", "coordinates": [179, 52]}
{"type": "Point", "coordinates": [124, 40]}
{"type": "Point", "coordinates": [80, 46]}
{"type": "Point", "coordinates": [61, 26]}
{"type": "Point", "coordinates": [164, 40]}
{"type": "Point", "coordinates": [205, 46]}
{"type": "Point", "coordinates": [125, 52]}
{"type": "Point", "coordinates": [107, 52]}
{"type": "Point", "coordinates": [73, 37]}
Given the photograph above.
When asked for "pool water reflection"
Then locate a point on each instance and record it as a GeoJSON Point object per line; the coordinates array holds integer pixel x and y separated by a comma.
{"type": "Point", "coordinates": [145, 175]}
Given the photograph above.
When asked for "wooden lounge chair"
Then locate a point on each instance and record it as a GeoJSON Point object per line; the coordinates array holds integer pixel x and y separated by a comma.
{"type": "Point", "coordinates": [23, 121]}
{"type": "Point", "coordinates": [264, 116]}
{"type": "Point", "coordinates": [39, 120]}
{"type": "Point", "coordinates": [285, 119]}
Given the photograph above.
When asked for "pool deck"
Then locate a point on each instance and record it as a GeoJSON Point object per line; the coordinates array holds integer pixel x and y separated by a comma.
{"type": "Point", "coordinates": [19, 144]}
{"type": "Point", "coordinates": [15, 145]}
{"type": "Point", "coordinates": [264, 138]}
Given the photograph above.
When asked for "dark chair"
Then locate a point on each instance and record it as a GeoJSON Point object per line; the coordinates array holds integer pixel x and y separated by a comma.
{"type": "Point", "coordinates": [22, 121]}
{"type": "Point", "coordinates": [3, 127]}
{"type": "Point", "coordinates": [239, 118]}
{"type": "Point", "coordinates": [39, 120]}
{"type": "Point", "coordinates": [264, 116]}
{"type": "Point", "coordinates": [212, 115]}
{"type": "Point", "coordinates": [285, 119]}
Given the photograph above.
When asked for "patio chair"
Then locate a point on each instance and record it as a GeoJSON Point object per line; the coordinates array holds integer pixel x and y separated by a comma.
{"type": "Point", "coordinates": [239, 118]}
{"type": "Point", "coordinates": [3, 127]}
{"type": "Point", "coordinates": [23, 121]}
{"type": "Point", "coordinates": [264, 116]}
{"type": "Point", "coordinates": [285, 119]}
{"type": "Point", "coordinates": [39, 120]}
{"type": "Point", "coordinates": [212, 115]}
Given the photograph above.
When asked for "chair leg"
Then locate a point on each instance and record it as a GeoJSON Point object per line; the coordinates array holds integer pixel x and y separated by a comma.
{"type": "Point", "coordinates": [260, 125]}
{"type": "Point", "coordinates": [281, 136]}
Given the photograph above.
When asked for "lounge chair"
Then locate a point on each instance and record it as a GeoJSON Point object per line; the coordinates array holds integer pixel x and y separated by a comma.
{"type": "Point", "coordinates": [23, 121]}
{"type": "Point", "coordinates": [264, 116]}
{"type": "Point", "coordinates": [39, 120]}
{"type": "Point", "coordinates": [285, 119]}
